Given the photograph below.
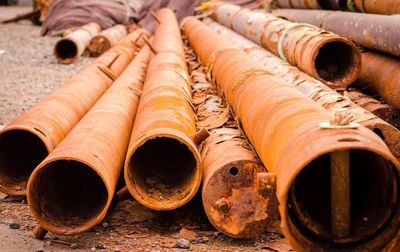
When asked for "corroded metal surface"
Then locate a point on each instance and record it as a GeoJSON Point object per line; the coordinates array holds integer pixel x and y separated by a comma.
{"type": "Point", "coordinates": [238, 194]}
{"type": "Point", "coordinates": [283, 126]}
{"type": "Point", "coordinates": [386, 7]}
{"type": "Point", "coordinates": [299, 4]}
{"type": "Point", "coordinates": [39, 130]}
{"type": "Point", "coordinates": [73, 44]}
{"type": "Point", "coordinates": [378, 32]}
{"type": "Point", "coordinates": [326, 56]}
{"type": "Point", "coordinates": [162, 169]}
{"type": "Point", "coordinates": [106, 39]}
{"type": "Point", "coordinates": [72, 189]}
{"type": "Point", "coordinates": [316, 90]}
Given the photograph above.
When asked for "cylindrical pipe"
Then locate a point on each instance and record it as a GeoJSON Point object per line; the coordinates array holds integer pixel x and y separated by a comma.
{"type": "Point", "coordinates": [299, 4]}
{"type": "Point", "coordinates": [72, 189]}
{"type": "Point", "coordinates": [381, 110]}
{"type": "Point", "coordinates": [239, 196]}
{"type": "Point", "coordinates": [284, 126]}
{"type": "Point", "coordinates": [313, 88]}
{"type": "Point", "coordinates": [162, 167]}
{"type": "Point", "coordinates": [385, 7]}
{"type": "Point", "coordinates": [73, 44]}
{"type": "Point", "coordinates": [106, 39]}
{"type": "Point", "coordinates": [26, 141]}
{"type": "Point", "coordinates": [378, 32]}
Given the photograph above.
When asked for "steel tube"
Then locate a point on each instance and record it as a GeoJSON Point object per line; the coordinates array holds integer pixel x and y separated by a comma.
{"type": "Point", "coordinates": [326, 56]}
{"type": "Point", "coordinates": [315, 89]}
{"type": "Point", "coordinates": [299, 4]}
{"type": "Point", "coordinates": [378, 32]}
{"type": "Point", "coordinates": [72, 189]}
{"type": "Point", "coordinates": [106, 39]}
{"type": "Point", "coordinates": [385, 7]}
{"type": "Point", "coordinates": [73, 44]}
{"type": "Point", "coordinates": [26, 141]}
{"type": "Point", "coordinates": [162, 167]}
{"type": "Point", "coordinates": [285, 129]}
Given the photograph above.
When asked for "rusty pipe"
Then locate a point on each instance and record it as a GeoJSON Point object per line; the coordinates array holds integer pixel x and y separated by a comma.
{"type": "Point", "coordinates": [72, 189]}
{"type": "Point", "coordinates": [238, 194]}
{"type": "Point", "coordinates": [325, 56]}
{"type": "Point", "coordinates": [106, 39]}
{"type": "Point", "coordinates": [73, 44]}
{"type": "Point", "coordinates": [316, 90]}
{"type": "Point", "coordinates": [314, 4]}
{"type": "Point", "coordinates": [378, 32]}
{"type": "Point", "coordinates": [162, 168]}
{"type": "Point", "coordinates": [385, 7]}
{"type": "Point", "coordinates": [26, 141]}
{"type": "Point", "coordinates": [295, 138]}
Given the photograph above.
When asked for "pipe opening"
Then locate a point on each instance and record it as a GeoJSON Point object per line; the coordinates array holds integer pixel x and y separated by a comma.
{"type": "Point", "coordinates": [67, 194]}
{"type": "Point", "coordinates": [373, 200]}
{"type": "Point", "coordinates": [333, 4]}
{"type": "Point", "coordinates": [335, 61]}
{"type": "Point", "coordinates": [15, 170]}
{"type": "Point", "coordinates": [234, 171]}
{"type": "Point", "coordinates": [66, 49]}
{"type": "Point", "coordinates": [163, 171]}
{"type": "Point", "coordinates": [379, 133]}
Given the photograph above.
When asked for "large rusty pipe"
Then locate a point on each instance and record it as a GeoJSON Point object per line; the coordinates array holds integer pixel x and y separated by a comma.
{"type": "Point", "coordinates": [314, 4]}
{"type": "Point", "coordinates": [378, 32]}
{"type": "Point", "coordinates": [26, 141]}
{"type": "Point", "coordinates": [72, 189]}
{"type": "Point", "coordinates": [315, 89]}
{"type": "Point", "coordinates": [385, 7]}
{"type": "Point", "coordinates": [326, 56]}
{"type": "Point", "coordinates": [238, 194]}
{"type": "Point", "coordinates": [285, 128]}
{"type": "Point", "coordinates": [73, 44]}
{"type": "Point", "coordinates": [162, 167]}
{"type": "Point", "coordinates": [106, 39]}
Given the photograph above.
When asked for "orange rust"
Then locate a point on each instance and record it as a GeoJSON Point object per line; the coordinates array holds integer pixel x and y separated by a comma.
{"type": "Point", "coordinates": [34, 134]}
{"type": "Point", "coordinates": [73, 44]}
{"type": "Point", "coordinates": [106, 39]}
{"type": "Point", "coordinates": [385, 7]}
{"type": "Point", "coordinates": [283, 126]}
{"type": "Point", "coordinates": [162, 167]}
{"type": "Point", "coordinates": [72, 189]}
{"type": "Point", "coordinates": [300, 4]}
{"type": "Point", "coordinates": [324, 55]}
{"type": "Point", "coordinates": [320, 93]}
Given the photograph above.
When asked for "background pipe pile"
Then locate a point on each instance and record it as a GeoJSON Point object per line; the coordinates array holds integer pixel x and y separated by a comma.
{"type": "Point", "coordinates": [378, 32]}
{"type": "Point", "coordinates": [72, 189]}
{"type": "Point", "coordinates": [39, 130]}
{"type": "Point", "coordinates": [317, 91]}
{"type": "Point", "coordinates": [106, 39]}
{"type": "Point", "coordinates": [238, 194]}
{"type": "Point", "coordinates": [162, 168]}
{"type": "Point", "coordinates": [73, 44]}
{"type": "Point", "coordinates": [323, 55]}
{"type": "Point", "coordinates": [285, 128]}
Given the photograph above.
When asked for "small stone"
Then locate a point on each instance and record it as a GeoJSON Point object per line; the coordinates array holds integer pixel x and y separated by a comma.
{"type": "Point", "coordinates": [39, 250]}
{"type": "Point", "coordinates": [117, 250]}
{"type": "Point", "coordinates": [105, 224]}
{"type": "Point", "coordinates": [200, 240]}
{"type": "Point", "coordinates": [14, 225]}
{"type": "Point", "coordinates": [93, 249]}
{"type": "Point", "coordinates": [215, 234]}
{"type": "Point", "coordinates": [100, 246]}
{"type": "Point", "coordinates": [23, 201]}
{"type": "Point", "coordinates": [187, 234]}
{"type": "Point", "coordinates": [48, 243]}
{"type": "Point", "coordinates": [74, 246]}
{"type": "Point", "coordinates": [182, 243]}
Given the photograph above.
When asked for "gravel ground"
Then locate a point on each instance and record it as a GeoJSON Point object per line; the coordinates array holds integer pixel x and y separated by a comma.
{"type": "Point", "coordinates": [28, 69]}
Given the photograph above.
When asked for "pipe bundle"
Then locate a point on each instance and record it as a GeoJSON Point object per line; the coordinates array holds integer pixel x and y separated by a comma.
{"type": "Point", "coordinates": [323, 55]}
{"type": "Point", "coordinates": [285, 129]}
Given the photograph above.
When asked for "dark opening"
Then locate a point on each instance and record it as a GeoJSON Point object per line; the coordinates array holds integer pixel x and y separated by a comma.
{"type": "Point", "coordinates": [163, 169]}
{"type": "Point", "coordinates": [373, 198]}
{"type": "Point", "coordinates": [335, 61]}
{"type": "Point", "coordinates": [234, 171]}
{"type": "Point", "coordinates": [333, 4]}
{"type": "Point", "coordinates": [68, 194]}
{"type": "Point", "coordinates": [379, 133]}
{"type": "Point", "coordinates": [66, 49]}
{"type": "Point", "coordinates": [20, 153]}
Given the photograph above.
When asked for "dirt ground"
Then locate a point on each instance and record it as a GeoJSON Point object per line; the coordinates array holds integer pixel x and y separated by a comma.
{"type": "Point", "coordinates": [29, 72]}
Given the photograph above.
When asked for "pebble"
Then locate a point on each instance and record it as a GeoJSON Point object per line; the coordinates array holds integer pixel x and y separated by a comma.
{"type": "Point", "coordinates": [182, 243]}
{"type": "Point", "coordinates": [74, 246]}
{"type": "Point", "coordinates": [199, 240]}
{"type": "Point", "coordinates": [39, 250]}
{"type": "Point", "coordinates": [14, 225]}
{"type": "Point", "coordinates": [23, 201]}
{"type": "Point", "coordinates": [216, 234]}
{"type": "Point", "coordinates": [117, 250]}
{"type": "Point", "coordinates": [93, 249]}
{"type": "Point", "coordinates": [100, 246]}
{"type": "Point", "coordinates": [105, 224]}
{"type": "Point", "coordinates": [48, 243]}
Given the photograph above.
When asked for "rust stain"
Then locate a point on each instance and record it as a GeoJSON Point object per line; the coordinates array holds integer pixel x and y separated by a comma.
{"type": "Point", "coordinates": [106, 39]}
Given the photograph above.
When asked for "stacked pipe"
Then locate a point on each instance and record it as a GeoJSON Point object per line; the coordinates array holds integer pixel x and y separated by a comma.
{"type": "Point", "coordinates": [73, 44]}
{"type": "Point", "coordinates": [291, 138]}
{"type": "Point", "coordinates": [106, 39]}
{"type": "Point", "coordinates": [162, 168]}
{"type": "Point", "coordinates": [39, 130]}
{"type": "Point", "coordinates": [238, 194]}
{"type": "Point", "coordinates": [72, 189]}
{"type": "Point", "coordinates": [323, 55]}
{"type": "Point", "coordinates": [387, 7]}
{"type": "Point", "coordinates": [319, 92]}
